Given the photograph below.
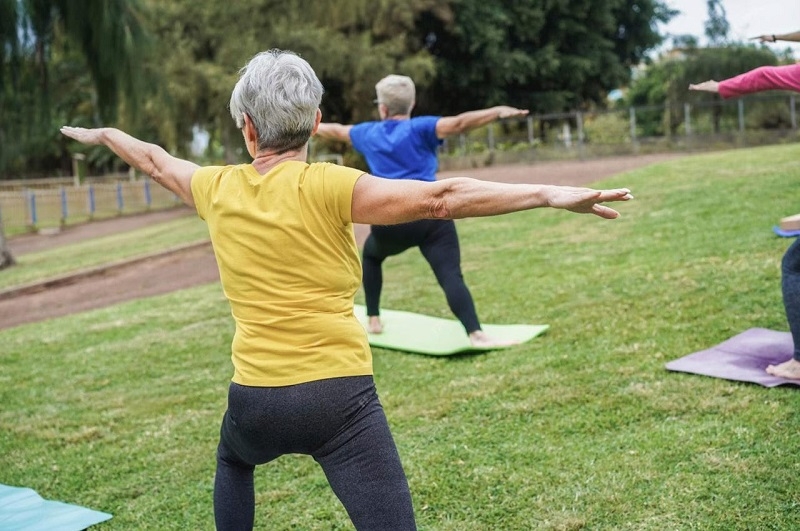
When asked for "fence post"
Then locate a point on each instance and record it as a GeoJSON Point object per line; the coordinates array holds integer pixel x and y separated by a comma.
{"type": "Point", "coordinates": [78, 168]}
{"type": "Point", "coordinates": [64, 212]}
{"type": "Point", "coordinates": [792, 112]}
{"type": "Point", "coordinates": [687, 118]}
{"type": "Point", "coordinates": [491, 138]}
{"type": "Point", "coordinates": [529, 123]}
{"type": "Point", "coordinates": [148, 199]}
{"type": "Point", "coordinates": [741, 114]}
{"type": "Point", "coordinates": [579, 134]}
{"type": "Point", "coordinates": [120, 203]}
{"type": "Point", "coordinates": [32, 208]}
{"type": "Point", "coordinates": [91, 201]}
{"type": "Point", "coordinates": [632, 120]}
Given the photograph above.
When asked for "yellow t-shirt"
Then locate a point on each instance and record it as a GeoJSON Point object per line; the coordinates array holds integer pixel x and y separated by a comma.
{"type": "Point", "coordinates": [289, 266]}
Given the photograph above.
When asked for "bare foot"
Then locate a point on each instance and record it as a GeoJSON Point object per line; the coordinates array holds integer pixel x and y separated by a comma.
{"type": "Point", "coordinates": [478, 338]}
{"type": "Point", "coordinates": [374, 326]}
{"type": "Point", "coordinates": [787, 369]}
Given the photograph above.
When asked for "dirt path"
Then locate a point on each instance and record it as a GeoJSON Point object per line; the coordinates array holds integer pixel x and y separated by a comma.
{"type": "Point", "coordinates": [195, 266]}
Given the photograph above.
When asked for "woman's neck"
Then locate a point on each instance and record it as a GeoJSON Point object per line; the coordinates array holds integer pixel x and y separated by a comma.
{"type": "Point", "coordinates": [266, 160]}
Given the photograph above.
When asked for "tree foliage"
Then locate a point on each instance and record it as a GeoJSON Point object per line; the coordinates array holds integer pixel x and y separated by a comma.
{"type": "Point", "coordinates": [63, 60]}
{"type": "Point", "coordinates": [545, 56]}
{"type": "Point", "coordinates": [716, 26]}
{"type": "Point", "coordinates": [463, 54]}
{"type": "Point", "coordinates": [351, 44]}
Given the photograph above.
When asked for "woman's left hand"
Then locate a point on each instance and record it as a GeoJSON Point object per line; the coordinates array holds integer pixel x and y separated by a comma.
{"type": "Point", "coordinates": [81, 134]}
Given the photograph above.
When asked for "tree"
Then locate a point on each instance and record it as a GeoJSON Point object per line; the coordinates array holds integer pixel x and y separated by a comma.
{"type": "Point", "coordinates": [197, 49]}
{"type": "Point", "coordinates": [545, 56]}
{"type": "Point", "coordinates": [100, 44]}
{"type": "Point", "coordinates": [105, 36]}
{"type": "Point", "coordinates": [350, 43]}
{"type": "Point", "coordinates": [717, 26]}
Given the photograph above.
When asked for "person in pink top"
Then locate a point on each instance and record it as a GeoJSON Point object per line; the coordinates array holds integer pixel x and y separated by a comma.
{"type": "Point", "coordinates": [784, 77]}
{"type": "Point", "coordinates": [764, 78]}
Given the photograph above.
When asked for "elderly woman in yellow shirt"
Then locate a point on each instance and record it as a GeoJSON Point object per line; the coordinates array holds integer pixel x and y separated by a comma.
{"type": "Point", "coordinates": [282, 232]}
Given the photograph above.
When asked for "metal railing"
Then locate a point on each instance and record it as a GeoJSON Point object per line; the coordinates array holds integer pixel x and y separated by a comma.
{"type": "Point", "coordinates": [54, 204]}
{"type": "Point", "coordinates": [754, 120]}
{"type": "Point", "coordinates": [769, 118]}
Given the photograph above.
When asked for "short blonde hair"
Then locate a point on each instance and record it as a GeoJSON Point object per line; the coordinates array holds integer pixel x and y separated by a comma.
{"type": "Point", "coordinates": [397, 93]}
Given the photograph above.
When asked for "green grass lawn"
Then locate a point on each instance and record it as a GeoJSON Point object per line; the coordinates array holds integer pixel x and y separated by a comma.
{"type": "Point", "coordinates": [118, 409]}
{"type": "Point", "coordinates": [64, 259]}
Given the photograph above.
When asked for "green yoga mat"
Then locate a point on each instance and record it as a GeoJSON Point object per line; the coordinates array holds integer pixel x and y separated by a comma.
{"type": "Point", "coordinates": [22, 509]}
{"type": "Point", "coordinates": [434, 336]}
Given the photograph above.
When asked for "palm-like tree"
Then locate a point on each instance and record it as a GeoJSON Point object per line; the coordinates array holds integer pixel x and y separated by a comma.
{"type": "Point", "coordinates": [108, 34]}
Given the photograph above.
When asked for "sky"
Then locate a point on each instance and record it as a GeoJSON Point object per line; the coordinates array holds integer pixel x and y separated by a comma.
{"type": "Point", "coordinates": [747, 18]}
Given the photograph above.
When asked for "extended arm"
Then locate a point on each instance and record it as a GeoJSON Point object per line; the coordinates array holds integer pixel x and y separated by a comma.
{"type": "Point", "coordinates": [705, 86]}
{"type": "Point", "coordinates": [466, 121]}
{"type": "Point", "coordinates": [784, 77]}
{"type": "Point", "coordinates": [172, 173]}
{"type": "Point", "coordinates": [378, 201]}
{"type": "Point", "coordinates": [791, 37]}
{"type": "Point", "coordinates": [334, 131]}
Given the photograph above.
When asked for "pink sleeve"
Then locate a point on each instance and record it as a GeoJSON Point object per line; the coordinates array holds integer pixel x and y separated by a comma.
{"type": "Point", "coordinates": [786, 77]}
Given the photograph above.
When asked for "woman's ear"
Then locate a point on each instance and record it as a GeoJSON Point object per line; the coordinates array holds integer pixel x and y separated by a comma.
{"type": "Point", "coordinates": [317, 121]}
{"type": "Point", "coordinates": [250, 135]}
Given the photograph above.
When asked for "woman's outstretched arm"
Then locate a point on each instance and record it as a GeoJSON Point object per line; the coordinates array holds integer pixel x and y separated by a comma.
{"type": "Point", "coordinates": [379, 201]}
{"type": "Point", "coordinates": [172, 173]}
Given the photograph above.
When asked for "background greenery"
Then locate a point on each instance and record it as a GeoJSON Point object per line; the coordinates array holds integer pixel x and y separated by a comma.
{"type": "Point", "coordinates": [163, 70]}
{"type": "Point", "coordinates": [583, 428]}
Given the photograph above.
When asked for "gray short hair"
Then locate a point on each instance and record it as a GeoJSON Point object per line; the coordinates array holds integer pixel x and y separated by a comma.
{"type": "Point", "coordinates": [280, 93]}
{"type": "Point", "coordinates": [397, 93]}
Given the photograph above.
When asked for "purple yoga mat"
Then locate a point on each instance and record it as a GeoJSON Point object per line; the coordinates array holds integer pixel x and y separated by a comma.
{"type": "Point", "coordinates": [742, 358]}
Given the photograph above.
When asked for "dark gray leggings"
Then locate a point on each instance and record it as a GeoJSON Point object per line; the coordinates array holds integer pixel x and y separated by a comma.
{"type": "Point", "coordinates": [437, 239]}
{"type": "Point", "coordinates": [790, 286]}
{"type": "Point", "coordinates": [340, 423]}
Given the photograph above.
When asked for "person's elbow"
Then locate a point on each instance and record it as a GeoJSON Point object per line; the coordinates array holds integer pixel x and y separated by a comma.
{"type": "Point", "coordinates": [175, 175]}
{"type": "Point", "coordinates": [438, 204]}
{"type": "Point", "coordinates": [450, 126]}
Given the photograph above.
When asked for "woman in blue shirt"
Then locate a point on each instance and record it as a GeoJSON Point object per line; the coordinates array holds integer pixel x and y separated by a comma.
{"type": "Point", "coordinates": [401, 147]}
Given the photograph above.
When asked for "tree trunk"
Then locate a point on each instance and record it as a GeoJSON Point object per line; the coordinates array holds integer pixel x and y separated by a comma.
{"type": "Point", "coordinates": [6, 259]}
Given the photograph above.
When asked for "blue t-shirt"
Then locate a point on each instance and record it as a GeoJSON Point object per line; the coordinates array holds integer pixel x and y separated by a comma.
{"type": "Point", "coordinates": [399, 149]}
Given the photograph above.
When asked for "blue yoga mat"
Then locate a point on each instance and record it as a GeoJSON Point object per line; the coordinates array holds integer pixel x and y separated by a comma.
{"type": "Point", "coordinates": [22, 509]}
{"type": "Point", "coordinates": [785, 233]}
